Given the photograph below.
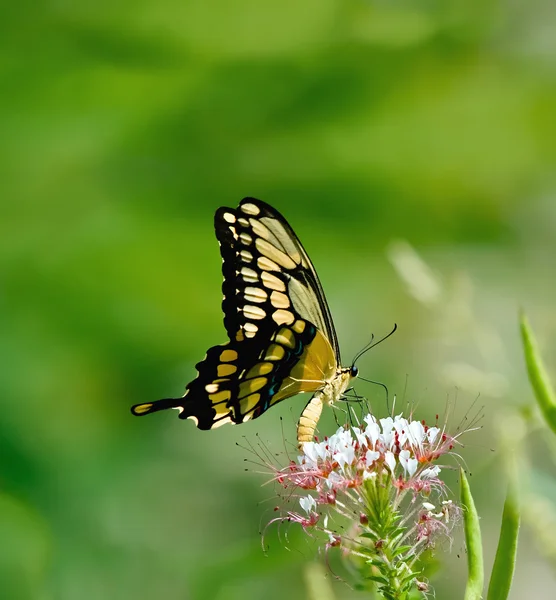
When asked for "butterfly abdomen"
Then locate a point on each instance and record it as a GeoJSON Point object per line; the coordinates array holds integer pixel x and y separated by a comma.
{"type": "Point", "coordinates": [330, 393]}
{"type": "Point", "coordinates": [309, 418]}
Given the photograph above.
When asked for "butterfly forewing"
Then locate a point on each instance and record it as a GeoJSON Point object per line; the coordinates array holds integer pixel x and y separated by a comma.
{"type": "Point", "coordinates": [279, 252]}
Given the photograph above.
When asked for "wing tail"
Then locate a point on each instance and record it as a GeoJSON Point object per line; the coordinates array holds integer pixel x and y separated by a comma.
{"type": "Point", "coordinates": [149, 407]}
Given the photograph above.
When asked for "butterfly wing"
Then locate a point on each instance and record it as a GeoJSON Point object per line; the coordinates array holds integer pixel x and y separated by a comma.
{"type": "Point", "coordinates": [282, 339]}
{"type": "Point", "coordinates": [262, 233]}
{"type": "Point", "coordinates": [239, 381]}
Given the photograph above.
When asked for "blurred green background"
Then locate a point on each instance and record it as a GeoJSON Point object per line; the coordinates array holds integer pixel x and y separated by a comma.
{"type": "Point", "coordinates": [412, 147]}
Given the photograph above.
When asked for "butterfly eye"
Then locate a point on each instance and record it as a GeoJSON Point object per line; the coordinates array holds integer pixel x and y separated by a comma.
{"type": "Point", "coordinates": [354, 371]}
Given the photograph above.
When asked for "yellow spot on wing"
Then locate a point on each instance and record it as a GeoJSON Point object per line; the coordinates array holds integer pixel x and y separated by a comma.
{"type": "Point", "coordinates": [220, 396]}
{"type": "Point", "coordinates": [299, 326]}
{"type": "Point", "coordinates": [253, 312]}
{"type": "Point", "coordinates": [281, 317]}
{"type": "Point", "coordinates": [221, 422]}
{"type": "Point", "coordinates": [285, 337]}
{"type": "Point", "coordinates": [250, 328]}
{"type": "Point", "coordinates": [248, 404]}
{"type": "Point", "coordinates": [250, 386]}
{"type": "Point", "coordinates": [228, 355]}
{"type": "Point", "coordinates": [260, 229]}
{"type": "Point", "coordinates": [141, 409]}
{"type": "Point", "coordinates": [255, 294]}
{"type": "Point", "coordinates": [279, 300]}
{"type": "Point", "coordinates": [250, 209]}
{"type": "Point", "coordinates": [262, 368]}
{"type": "Point", "coordinates": [275, 352]}
{"type": "Point", "coordinates": [225, 370]}
{"type": "Point", "coordinates": [272, 282]}
{"type": "Point", "coordinates": [266, 264]}
{"type": "Point", "coordinates": [249, 275]}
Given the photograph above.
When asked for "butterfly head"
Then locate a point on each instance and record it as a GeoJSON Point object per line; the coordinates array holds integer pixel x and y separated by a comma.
{"type": "Point", "coordinates": [348, 373]}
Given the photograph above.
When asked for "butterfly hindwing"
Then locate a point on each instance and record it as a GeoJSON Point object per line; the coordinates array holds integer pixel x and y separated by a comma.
{"type": "Point", "coordinates": [238, 381]}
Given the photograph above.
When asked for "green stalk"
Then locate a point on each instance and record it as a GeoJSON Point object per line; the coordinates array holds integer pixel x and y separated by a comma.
{"type": "Point", "coordinates": [544, 392]}
{"type": "Point", "coordinates": [475, 576]}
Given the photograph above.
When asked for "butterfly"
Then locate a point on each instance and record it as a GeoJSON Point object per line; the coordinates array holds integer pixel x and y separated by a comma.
{"type": "Point", "coordinates": [282, 339]}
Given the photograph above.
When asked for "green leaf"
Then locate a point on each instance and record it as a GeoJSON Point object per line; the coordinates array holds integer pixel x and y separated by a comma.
{"type": "Point", "coordinates": [537, 374]}
{"type": "Point", "coordinates": [504, 562]}
{"type": "Point", "coordinates": [475, 575]}
{"type": "Point", "coordinates": [401, 550]}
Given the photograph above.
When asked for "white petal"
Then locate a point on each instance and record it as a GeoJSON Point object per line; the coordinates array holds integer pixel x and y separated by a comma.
{"type": "Point", "coordinates": [430, 472]}
{"type": "Point", "coordinates": [432, 434]}
{"type": "Point", "coordinates": [360, 436]}
{"type": "Point", "coordinates": [308, 503]}
{"type": "Point", "coordinates": [372, 431]}
{"type": "Point", "coordinates": [390, 461]}
{"type": "Point", "coordinates": [371, 456]}
{"type": "Point", "coordinates": [408, 463]}
{"type": "Point", "coordinates": [387, 424]}
{"type": "Point", "coordinates": [416, 434]}
{"type": "Point", "coordinates": [369, 419]}
{"type": "Point", "coordinates": [310, 451]}
{"type": "Point", "coordinates": [401, 426]}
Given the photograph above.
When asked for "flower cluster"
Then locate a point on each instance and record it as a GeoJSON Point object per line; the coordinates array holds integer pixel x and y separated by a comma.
{"type": "Point", "coordinates": [374, 490]}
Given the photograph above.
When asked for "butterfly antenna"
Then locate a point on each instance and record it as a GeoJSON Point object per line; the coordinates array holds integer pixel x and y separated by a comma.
{"type": "Point", "coordinates": [372, 344]}
{"type": "Point", "coordinates": [365, 348]}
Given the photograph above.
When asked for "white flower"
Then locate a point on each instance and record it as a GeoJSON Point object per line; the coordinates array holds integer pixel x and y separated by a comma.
{"type": "Point", "coordinates": [308, 503]}
{"type": "Point", "coordinates": [372, 431]}
{"type": "Point", "coordinates": [345, 456]}
{"type": "Point", "coordinates": [402, 428]}
{"type": "Point", "coordinates": [360, 436]}
{"type": "Point", "coordinates": [416, 434]}
{"type": "Point", "coordinates": [408, 464]}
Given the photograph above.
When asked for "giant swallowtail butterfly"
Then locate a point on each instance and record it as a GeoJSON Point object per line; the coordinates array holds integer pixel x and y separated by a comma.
{"type": "Point", "coordinates": [281, 334]}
